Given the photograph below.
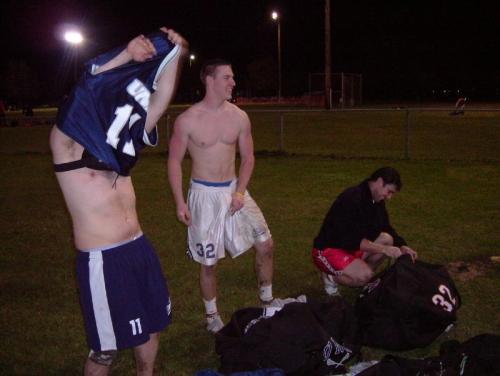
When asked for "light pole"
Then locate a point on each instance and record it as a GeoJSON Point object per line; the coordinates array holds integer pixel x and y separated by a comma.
{"type": "Point", "coordinates": [276, 17]}
{"type": "Point", "coordinates": [192, 57]}
{"type": "Point", "coordinates": [74, 38]}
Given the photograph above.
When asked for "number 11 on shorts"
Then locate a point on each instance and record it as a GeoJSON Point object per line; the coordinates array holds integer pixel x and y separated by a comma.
{"type": "Point", "coordinates": [136, 326]}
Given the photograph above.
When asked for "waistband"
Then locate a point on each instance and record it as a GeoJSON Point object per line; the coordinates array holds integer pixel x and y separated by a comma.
{"type": "Point", "coordinates": [113, 245]}
{"type": "Point", "coordinates": [204, 185]}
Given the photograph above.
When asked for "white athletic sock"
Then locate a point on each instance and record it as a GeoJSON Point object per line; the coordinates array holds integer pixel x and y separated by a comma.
{"type": "Point", "coordinates": [266, 293]}
{"type": "Point", "coordinates": [330, 285]}
{"type": "Point", "coordinates": [210, 306]}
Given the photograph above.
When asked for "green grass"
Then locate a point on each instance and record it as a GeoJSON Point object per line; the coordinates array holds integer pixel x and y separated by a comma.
{"type": "Point", "coordinates": [448, 210]}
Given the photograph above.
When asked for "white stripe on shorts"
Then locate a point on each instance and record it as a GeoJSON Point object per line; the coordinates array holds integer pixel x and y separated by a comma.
{"type": "Point", "coordinates": [100, 303]}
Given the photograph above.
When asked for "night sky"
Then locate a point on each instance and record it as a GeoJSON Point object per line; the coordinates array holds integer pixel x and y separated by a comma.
{"type": "Point", "coordinates": [403, 49]}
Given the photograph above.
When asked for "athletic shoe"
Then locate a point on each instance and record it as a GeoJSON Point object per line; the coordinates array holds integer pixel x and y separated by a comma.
{"type": "Point", "coordinates": [331, 287]}
{"type": "Point", "coordinates": [214, 323]}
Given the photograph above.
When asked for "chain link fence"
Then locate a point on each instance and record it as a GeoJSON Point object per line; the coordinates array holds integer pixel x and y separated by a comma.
{"type": "Point", "coordinates": [392, 133]}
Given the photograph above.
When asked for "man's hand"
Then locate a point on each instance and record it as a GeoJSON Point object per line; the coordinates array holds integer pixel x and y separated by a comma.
{"type": "Point", "coordinates": [392, 252]}
{"type": "Point", "coordinates": [405, 250]}
{"type": "Point", "coordinates": [140, 49]}
{"type": "Point", "coordinates": [237, 202]}
{"type": "Point", "coordinates": [175, 38]}
{"type": "Point", "coordinates": [183, 214]}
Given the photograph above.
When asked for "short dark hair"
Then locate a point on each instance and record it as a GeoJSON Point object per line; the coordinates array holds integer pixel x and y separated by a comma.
{"type": "Point", "coordinates": [389, 175]}
{"type": "Point", "coordinates": [209, 67]}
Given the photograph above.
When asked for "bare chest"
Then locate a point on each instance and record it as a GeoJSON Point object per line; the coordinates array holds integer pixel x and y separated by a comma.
{"type": "Point", "coordinates": [215, 131]}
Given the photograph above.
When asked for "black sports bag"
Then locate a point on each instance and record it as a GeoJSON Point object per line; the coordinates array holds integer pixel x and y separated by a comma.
{"type": "Point", "coordinates": [407, 305]}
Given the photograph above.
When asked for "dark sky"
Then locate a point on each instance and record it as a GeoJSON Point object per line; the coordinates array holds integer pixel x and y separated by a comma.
{"type": "Point", "coordinates": [402, 48]}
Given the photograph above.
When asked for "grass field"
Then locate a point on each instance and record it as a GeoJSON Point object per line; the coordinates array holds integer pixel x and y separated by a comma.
{"type": "Point", "coordinates": [448, 210]}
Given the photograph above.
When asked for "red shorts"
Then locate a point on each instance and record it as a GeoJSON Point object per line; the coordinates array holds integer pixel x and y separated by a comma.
{"type": "Point", "coordinates": [334, 260]}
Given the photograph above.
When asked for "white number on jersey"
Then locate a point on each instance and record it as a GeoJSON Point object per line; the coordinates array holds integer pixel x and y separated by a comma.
{"type": "Point", "coordinates": [124, 114]}
{"type": "Point", "coordinates": [446, 302]}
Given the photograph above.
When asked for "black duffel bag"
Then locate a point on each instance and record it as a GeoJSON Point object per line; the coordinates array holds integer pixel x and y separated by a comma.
{"type": "Point", "coordinates": [407, 305]}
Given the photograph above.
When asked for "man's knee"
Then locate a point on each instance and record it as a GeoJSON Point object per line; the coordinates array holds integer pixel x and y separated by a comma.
{"type": "Point", "coordinates": [103, 358]}
{"type": "Point", "coordinates": [385, 239]}
{"type": "Point", "coordinates": [365, 277]}
{"type": "Point", "coordinates": [357, 274]}
{"type": "Point", "coordinates": [265, 248]}
{"type": "Point", "coordinates": [208, 270]}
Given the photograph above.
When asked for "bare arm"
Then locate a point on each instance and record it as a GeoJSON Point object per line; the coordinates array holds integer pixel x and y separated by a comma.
{"type": "Point", "coordinates": [372, 247]}
{"type": "Point", "coordinates": [176, 152]}
{"type": "Point", "coordinates": [245, 144]}
{"type": "Point", "coordinates": [138, 49]}
{"type": "Point", "coordinates": [167, 83]}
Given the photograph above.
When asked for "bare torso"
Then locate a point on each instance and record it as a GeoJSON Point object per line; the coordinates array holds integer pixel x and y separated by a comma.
{"type": "Point", "coordinates": [102, 206]}
{"type": "Point", "coordinates": [213, 137]}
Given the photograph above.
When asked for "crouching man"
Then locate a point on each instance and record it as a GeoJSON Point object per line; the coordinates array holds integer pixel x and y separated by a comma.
{"type": "Point", "coordinates": [356, 235]}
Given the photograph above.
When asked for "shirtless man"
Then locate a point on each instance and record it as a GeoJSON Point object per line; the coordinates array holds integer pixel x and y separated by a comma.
{"type": "Point", "coordinates": [123, 292]}
{"type": "Point", "coordinates": [220, 213]}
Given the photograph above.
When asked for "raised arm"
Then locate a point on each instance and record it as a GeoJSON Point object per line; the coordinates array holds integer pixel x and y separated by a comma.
{"type": "Point", "coordinates": [138, 49]}
{"type": "Point", "coordinates": [167, 83]}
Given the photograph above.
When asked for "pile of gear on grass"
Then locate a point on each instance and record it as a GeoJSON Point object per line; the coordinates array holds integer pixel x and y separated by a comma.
{"type": "Point", "coordinates": [406, 306]}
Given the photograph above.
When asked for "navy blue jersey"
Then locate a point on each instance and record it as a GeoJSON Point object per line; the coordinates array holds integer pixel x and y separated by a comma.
{"type": "Point", "coordinates": [106, 112]}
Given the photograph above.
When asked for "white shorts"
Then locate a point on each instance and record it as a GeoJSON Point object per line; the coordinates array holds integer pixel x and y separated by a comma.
{"type": "Point", "coordinates": [214, 229]}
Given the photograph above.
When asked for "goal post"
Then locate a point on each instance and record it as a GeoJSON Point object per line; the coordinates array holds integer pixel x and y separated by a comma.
{"type": "Point", "coordinates": [347, 88]}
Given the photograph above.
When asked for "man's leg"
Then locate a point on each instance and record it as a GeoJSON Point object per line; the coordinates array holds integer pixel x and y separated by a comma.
{"type": "Point", "coordinates": [208, 287]}
{"type": "Point", "coordinates": [356, 274]}
{"type": "Point", "coordinates": [208, 282]}
{"type": "Point", "coordinates": [375, 259]}
{"type": "Point", "coordinates": [94, 369]}
{"type": "Point", "coordinates": [145, 355]}
{"type": "Point", "coordinates": [359, 272]}
{"type": "Point", "coordinates": [264, 269]}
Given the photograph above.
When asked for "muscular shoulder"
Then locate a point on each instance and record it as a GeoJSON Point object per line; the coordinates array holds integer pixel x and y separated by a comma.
{"type": "Point", "coordinates": [237, 111]}
{"type": "Point", "coordinates": [238, 116]}
{"type": "Point", "coordinates": [186, 118]}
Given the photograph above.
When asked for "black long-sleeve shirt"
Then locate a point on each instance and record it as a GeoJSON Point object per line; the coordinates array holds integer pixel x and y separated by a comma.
{"type": "Point", "coordinates": [353, 217]}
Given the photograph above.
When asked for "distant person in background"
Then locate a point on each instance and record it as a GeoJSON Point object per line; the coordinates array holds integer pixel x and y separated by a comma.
{"type": "Point", "coordinates": [101, 128]}
{"type": "Point", "coordinates": [219, 212]}
{"type": "Point", "coordinates": [356, 235]}
{"type": "Point", "coordinates": [460, 106]}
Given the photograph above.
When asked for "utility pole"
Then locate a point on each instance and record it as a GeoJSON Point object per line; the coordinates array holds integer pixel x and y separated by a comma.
{"type": "Point", "coordinates": [328, 57]}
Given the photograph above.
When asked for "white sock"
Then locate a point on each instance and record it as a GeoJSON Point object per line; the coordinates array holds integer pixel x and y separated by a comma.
{"type": "Point", "coordinates": [210, 306]}
{"type": "Point", "coordinates": [266, 293]}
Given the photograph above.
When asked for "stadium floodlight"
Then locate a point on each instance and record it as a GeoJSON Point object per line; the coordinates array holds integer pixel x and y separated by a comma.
{"type": "Point", "coordinates": [276, 17]}
{"type": "Point", "coordinates": [73, 37]}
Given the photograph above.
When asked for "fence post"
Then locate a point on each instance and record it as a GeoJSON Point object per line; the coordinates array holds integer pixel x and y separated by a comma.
{"type": "Point", "coordinates": [407, 135]}
{"type": "Point", "coordinates": [282, 131]}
